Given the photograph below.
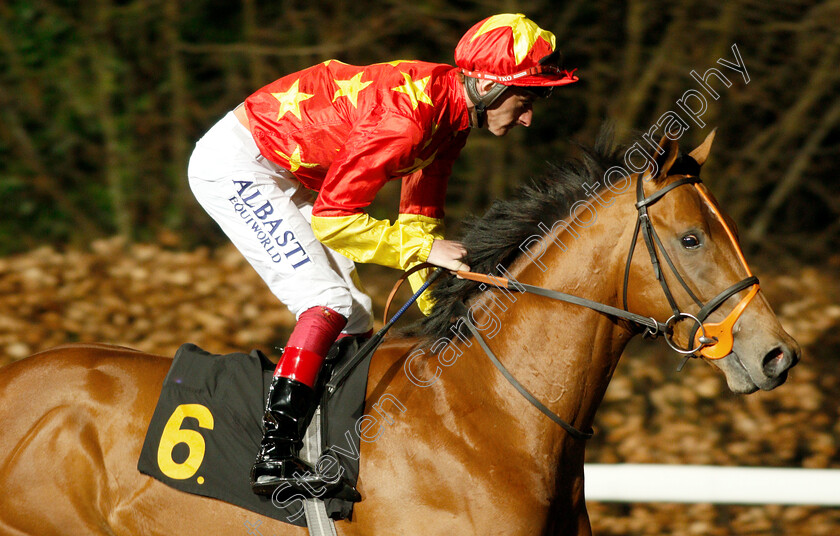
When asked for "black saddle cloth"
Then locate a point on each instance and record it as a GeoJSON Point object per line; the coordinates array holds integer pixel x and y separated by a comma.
{"type": "Point", "coordinates": [207, 426]}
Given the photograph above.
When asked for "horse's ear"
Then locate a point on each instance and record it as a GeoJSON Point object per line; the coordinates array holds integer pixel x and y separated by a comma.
{"type": "Point", "coordinates": [701, 153]}
{"type": "Point", "coordinates": [667, 154]}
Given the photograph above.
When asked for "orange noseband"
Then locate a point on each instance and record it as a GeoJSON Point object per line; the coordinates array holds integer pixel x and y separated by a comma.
{"type": "Point", "coordinates": [722, 332]}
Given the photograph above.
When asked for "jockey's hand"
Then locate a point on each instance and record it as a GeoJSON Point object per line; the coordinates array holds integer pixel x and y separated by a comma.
{"type": "Point", "coordinates": [448, 254]}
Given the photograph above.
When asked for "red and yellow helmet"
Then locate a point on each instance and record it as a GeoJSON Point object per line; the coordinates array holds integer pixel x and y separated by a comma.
{"type": "Point", "coordinates": [512, 50]}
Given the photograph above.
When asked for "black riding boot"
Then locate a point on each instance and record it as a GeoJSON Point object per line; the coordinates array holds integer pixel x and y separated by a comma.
{"type": "Point", "coordinates": [288, 411]}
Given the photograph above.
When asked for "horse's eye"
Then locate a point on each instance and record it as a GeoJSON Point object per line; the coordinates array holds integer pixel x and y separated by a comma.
{"type": "Point", "coordinates": [690, 241]}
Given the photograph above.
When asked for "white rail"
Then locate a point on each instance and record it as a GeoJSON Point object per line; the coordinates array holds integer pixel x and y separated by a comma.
{"type": "Point", "coordinates": [710, 484]}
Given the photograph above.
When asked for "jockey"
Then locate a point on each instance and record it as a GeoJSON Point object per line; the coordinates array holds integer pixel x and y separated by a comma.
{"type": "Point", "coordinates": [344, 131]}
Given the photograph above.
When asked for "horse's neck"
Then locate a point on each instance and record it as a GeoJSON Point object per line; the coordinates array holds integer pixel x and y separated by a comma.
{"type": "Point", "coordinates": [564, 354]}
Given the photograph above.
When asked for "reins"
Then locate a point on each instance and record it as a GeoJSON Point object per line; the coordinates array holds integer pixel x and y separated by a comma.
{"type": "Point", "coordinates": [653, 326]}
{"type": "Point", "coordinates": [501, 282]}
{"type": "Point", "coordinates": [574, 432]}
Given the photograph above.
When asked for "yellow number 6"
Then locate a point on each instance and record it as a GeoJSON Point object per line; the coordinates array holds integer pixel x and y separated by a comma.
{"type": "Point", "coordinates": [173, 435]}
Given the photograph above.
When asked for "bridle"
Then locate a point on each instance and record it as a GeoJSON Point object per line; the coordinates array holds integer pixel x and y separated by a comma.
{"type": "Point", "coordinates": [714, 340]}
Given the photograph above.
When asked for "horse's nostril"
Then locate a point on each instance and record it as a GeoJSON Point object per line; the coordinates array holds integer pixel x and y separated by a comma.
{"type": "Point", "coordinates": [776, 362]}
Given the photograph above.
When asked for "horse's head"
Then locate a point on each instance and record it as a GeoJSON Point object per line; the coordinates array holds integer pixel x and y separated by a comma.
{"type": "Point", "coordinates": [694, 265]}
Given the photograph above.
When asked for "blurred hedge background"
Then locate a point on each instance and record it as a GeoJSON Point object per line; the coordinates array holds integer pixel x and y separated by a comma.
{"type": "Point", "coordinates": [101, 102]}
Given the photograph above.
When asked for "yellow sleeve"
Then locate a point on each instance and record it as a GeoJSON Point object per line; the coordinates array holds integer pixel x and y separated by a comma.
{"type": "Point", "coordinates": [416, 280]}
{"type": "Point", "coordinates": [401, 245]}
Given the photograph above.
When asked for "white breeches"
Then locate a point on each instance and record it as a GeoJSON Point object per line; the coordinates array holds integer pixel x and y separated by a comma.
{"type": "Point", "coordinates": [266, 213]}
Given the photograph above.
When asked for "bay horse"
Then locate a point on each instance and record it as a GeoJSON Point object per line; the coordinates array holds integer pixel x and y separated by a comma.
{"type": "Point", "coordinates": [465, 453]}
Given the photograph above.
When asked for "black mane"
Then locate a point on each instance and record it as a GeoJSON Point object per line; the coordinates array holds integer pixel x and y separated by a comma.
{"type": "Point", "coordinates": [495, 238]}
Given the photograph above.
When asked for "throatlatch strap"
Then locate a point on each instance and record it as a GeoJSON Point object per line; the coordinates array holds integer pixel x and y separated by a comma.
{"type": "Point", "coordinates": [629, 260]}
{"type": "Point", "coordinates": [574, 432]}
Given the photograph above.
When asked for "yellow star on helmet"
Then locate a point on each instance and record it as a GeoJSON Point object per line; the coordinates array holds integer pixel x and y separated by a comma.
{"type": "Point", "coordinates": [290, 101]}
{"type": "Point", "coordinates": [415, 89]}
{"type": "Point", "coordinates": [525, 33]}
{"type": "Point", "coordinates": [294, 160]}
{"type": "Point", "coordinates": [418, 164]}
{"type": "Point", "coordinates": [351, 88]}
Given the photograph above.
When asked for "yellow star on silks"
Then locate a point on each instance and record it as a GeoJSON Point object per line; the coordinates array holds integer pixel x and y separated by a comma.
{"type": "Point", "coordinates": [415, 89]}
{"type": "Point", "coordinates": [524, 34]}
{"type": "Point", "coordinates": [294, 160]}
{"type": "Point", "coordinates": [435, 126]}
{"type": "Point", "coordinates": [351, 88]}
{"type": "Point", "coordinates": [418, 164]}
{"type": "Point", "coordinates": [290, 101]}
{"type": "Point", "coordinates": [395, 62]}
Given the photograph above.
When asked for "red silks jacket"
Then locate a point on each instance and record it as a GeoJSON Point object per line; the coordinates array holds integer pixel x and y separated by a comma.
{"type": "Point", "coordinates": [344, 131]}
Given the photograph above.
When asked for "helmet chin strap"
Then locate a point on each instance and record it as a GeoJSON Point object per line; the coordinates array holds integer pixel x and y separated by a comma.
{"type": "Point", "coordinates": [482, 102]}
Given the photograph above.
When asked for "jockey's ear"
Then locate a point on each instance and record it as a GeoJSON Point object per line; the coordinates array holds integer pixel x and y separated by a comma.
{"type": "Point", "coordinates": [701, 153]}
{"type": "Point", "coordinates": [669, 150]}
{"type": "Point", "coordinates": [484, 86]}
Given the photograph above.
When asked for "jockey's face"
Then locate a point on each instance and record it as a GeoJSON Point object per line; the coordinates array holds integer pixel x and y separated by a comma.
{"type": "Point", "coordinates": [514, 107]}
